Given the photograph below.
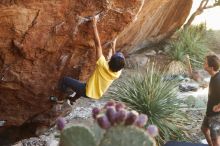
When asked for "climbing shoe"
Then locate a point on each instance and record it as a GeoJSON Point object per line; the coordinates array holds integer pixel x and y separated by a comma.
{"type": "Point", "coordinates": [55, 100]}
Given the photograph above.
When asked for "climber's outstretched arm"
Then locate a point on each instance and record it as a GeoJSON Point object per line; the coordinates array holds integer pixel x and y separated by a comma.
{"type": "Point", "coordinates": [112, 49]}
{"type": "Point", "coordinates": [97, 39]}
{"type": "Point", "coordinates": [113, 45]}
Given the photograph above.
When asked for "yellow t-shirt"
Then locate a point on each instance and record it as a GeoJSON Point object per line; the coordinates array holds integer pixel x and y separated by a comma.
{"type": "Point", "coordinates": [101, 79]}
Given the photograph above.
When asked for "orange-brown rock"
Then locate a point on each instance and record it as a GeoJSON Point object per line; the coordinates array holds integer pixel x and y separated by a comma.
{"type": "Point", "coordinates": [157, 20]}
{"type": "Point", "coordinates": [43, 40]}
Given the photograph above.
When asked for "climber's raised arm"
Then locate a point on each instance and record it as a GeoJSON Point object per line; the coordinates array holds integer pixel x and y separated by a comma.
{"type": "Point", "coordinates": [112, 49]}
{"type": "Point", "coordinates": [113, 45]}
{"type": "Point", "coordinates": [97, 39]}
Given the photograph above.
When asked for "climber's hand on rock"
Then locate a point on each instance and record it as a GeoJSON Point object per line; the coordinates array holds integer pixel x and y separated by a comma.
{"type": "Point", "coordinates": [94, 21]}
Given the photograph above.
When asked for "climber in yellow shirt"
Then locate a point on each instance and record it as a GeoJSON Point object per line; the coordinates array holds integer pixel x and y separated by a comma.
{"type": "Point", "coordinates": [103, 76]}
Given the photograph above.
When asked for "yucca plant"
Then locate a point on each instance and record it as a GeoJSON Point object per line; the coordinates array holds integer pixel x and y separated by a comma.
{"type": "Point", "coordinates": [149, 93]}
{"type": "Point", "coordinates": [191, 41]}
{"type": "Point", "coordinates": [177, 51]}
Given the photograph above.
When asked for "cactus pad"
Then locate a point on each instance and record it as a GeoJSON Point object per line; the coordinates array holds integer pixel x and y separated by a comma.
{"type": "Point", "coordinates": [126, 136]}
{"type": "Point", "coordinates": [77, 135]}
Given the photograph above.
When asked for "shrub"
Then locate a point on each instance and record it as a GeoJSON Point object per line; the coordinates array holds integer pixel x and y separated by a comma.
{"type": "Point", "coordinates": [191, 41]}
{"type": "Point", "coordinates": [149, 93]}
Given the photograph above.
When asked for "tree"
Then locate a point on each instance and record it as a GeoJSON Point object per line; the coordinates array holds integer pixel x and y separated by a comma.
{"type": "Point", "coordinates": [203, 6]}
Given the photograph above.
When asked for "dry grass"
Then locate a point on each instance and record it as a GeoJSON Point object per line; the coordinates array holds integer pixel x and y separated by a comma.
{"type": "Point", "coordinates": [176, 67]}
{"type": "Point", "coordinates": [214, 41]}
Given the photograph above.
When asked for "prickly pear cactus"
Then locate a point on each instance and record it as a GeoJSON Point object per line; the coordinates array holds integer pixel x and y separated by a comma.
{"type": "Point", "coordinates": [126, 136]}
{"type": "Point", "coordinates": [97, 131]}
{"type": "Point", "coordinates": [77, 135]}
{"type": "Point", "coordinates": [114, 125]}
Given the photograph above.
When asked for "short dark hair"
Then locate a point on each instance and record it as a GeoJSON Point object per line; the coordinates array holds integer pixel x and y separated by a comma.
{"type": "Point", "coordinates": [213, 61]}
{"type": "Point", "coordinates": [116, 63]}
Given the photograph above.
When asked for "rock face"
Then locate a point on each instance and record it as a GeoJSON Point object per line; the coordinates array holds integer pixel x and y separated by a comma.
{"type": "Point", "coordinates": [43, 40]}
{"type": "Point", "coordinates": [157, 20]}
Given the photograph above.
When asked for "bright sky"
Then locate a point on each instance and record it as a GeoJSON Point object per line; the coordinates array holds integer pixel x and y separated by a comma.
{"type": "Point", "coordinates": [210, 16]}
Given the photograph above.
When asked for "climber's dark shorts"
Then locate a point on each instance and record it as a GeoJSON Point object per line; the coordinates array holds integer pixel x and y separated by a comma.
{"type": "Point", "coordinates": [75, 85]}
{"type": "Point", "coordinates": [213, 124]}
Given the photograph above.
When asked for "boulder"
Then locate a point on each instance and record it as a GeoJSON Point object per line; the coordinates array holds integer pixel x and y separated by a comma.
{"type": "Point", "coordinates": [157, 20]}
{"type": "Point", "coordinates": [43, 41]}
